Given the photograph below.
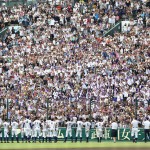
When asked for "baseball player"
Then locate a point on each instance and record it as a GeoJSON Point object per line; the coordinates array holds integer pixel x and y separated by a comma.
{"type": "Point", "coordinates": [56, 129]}
{"type": "Point", "coordinates": [99, 130]}
{"type": "Point", "coordinates": [51, 125]}
{"type": "Point", "coordinates": [27, 129]}
{"type": "Point", "coordinates": [134, 132]}
{"type": "Point", "coordinates": [48, 129]}
{"type": "Point", "coordinates": [6, 127]}
{"type": "Point", "coordinates": [44, 130]}
{"type": "Point", "coordinates": [52, 128]}
{"type": "Point", "coordinates": [21, 123]}
{"type": "Point", "coordinates": [36, 130]}
{"type": "Point", "coordinates": [146, 125]}
{"type": "Point", "coordinates": [1, 123]}
{"type": "Point", "coordinates": [79, 130]}
{"type": "Point", "coordinates": [14, 126]}
{"type": "Point", "coordinates": [32, 130]}
{"type": "Point", "coordinates": [69, 130]}
{"type": "Point", "coordinates": [87, 125]}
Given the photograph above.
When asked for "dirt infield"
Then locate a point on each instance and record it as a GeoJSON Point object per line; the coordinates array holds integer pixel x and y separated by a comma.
{"type": "Point", "coordinates": [87, 149]}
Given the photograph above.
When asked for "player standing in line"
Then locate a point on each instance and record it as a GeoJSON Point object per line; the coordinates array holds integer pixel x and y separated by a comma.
{"type": "Point", "coordinates": [56, 128]}
{"type": "Point", "coordinates": [14, 127]}
{"type": "Point", "coordinates": [1, 137]}
{"type": "Point", "coordinates": [69, 130]}
{"type": "Point", "coordinates": [37, 130]}
{"type": "Point", "coordinates": [87, 125]}
{"type": "Point", "coordinates": [99, 130]}
{"type": "Point", "coordinates": [74, 120]}
{"type": "Point", "coordinates": [48, 129]}
{"type": "Point", "coordinates": [52, 128]}
{"type": "Point", "coordinates": [44, 130]}
{"type": "Point", "coordinates": [146, 125]}
{"type": "Point", "coordinates": [32, 130]}
{"type": "Point", "coordinates": [21, 123]}
{"type": "Point", "coordinates": [27, 129]}
{"type": "Point", "coordinates": [6, 127]}
{"type": "Point", "coordinates": [79, 130]}
{"type": "Point", "coordinates": [134, 131]}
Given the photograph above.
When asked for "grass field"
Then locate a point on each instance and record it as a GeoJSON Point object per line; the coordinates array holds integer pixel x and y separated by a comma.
{"type": "Point", "coordinates": [69, 145]}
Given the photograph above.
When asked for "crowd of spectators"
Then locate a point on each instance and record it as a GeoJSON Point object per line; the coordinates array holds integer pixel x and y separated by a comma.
{"type": "Point", "coordinates": [59, 61]}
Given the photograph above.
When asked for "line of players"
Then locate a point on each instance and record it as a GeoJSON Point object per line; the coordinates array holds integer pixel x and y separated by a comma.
{"type": "Point", "coordinates": [47, 130]}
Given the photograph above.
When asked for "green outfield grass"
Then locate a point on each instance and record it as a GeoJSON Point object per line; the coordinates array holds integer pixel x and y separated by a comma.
{"type": "Point", "coordinates": [73, 145]}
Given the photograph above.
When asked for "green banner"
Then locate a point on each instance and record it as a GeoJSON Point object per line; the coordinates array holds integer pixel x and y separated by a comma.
{"type": "Point", "coordinates": [123, 134]}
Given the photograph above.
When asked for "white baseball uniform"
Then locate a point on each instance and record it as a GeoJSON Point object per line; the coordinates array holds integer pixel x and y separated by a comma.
{"type": "Point", "coordinates": [6, 129]}
{"type": "Point", "coordinates": [27, 127]}
{"type": "Point", "coordinates": [37, 128]}
{"type": "Point", "coordinates": [79, 128]}
{"type": "Point", "coordinates": [14, 126]}
{"type": "Point", "coordinates": [87, 125]}
{"type": "Point", "coordinates": [99, 129]}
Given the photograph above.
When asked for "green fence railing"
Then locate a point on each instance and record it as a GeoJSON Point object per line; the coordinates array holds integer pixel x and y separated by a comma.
{"type": "Point", "coordinates": [114, 29]}
{"type": "Point", "coordinates": [124, 134]}
{"type": "Point", "coordinates": [2, 33]}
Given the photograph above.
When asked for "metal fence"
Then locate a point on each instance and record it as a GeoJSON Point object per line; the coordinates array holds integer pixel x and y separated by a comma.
{"type": "Point", "coordinates": [114, 29]}
{"type": "Point", "coordinates": [2, 33]}
{"type": "Point", "coordinates": [123, 134]}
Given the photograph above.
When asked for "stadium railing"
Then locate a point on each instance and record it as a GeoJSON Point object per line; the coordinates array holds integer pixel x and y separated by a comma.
{"type": "Point", "coordinates": [114, 29]}
{"type": "Point", "coordinates": [124, 134]}
{"type": "Point", "coordinates": [2, 33]}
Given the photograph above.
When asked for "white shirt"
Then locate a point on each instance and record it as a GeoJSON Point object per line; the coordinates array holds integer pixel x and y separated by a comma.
{"type": "Point", "coordinates": [27, 124]}
{"type": "Point", "coordinates": [114, 126]}
{"type": "Point", "coordinates": [99, 125]}
{"type": "Point", "coordinates": [125, 94]}
{"type": "Point", "coordinates": [1, 109]}
{"type": "Point", "coordinates": [52, 125]}
{"type": "Point", "coordinates": [79, 125]}
{"type": "Point", "coordinates": [146, 124]}
{"type": "Point", "coordinates": [0, 70]}
{"type": "Point", "coordinates": [6, 125]}
{"type": "Point", "coordinates": [48, 123]}
{"type": "Point", "coordinates": [52, 22]}
{"type": "Point", "coordinates": [87, 125]}
{"type": "Point", "coordinates": [1, 122]}
{"type": "Point", "coordinates": [69, 125]}
{"type": "Point", "coordinates": [135, 123]}
{"type": "Point", "coordinates": [14, 125]}
{"type": "Point", "coordinates": [44, 126]}
{"type": "Point", "coordinates": [36, 124]}
{"type": "Point", "coordinates": [74, 119]}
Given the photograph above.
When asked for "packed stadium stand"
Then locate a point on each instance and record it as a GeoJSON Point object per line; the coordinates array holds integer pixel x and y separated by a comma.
{"type": "Point", "coordinates": [56, 62]}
